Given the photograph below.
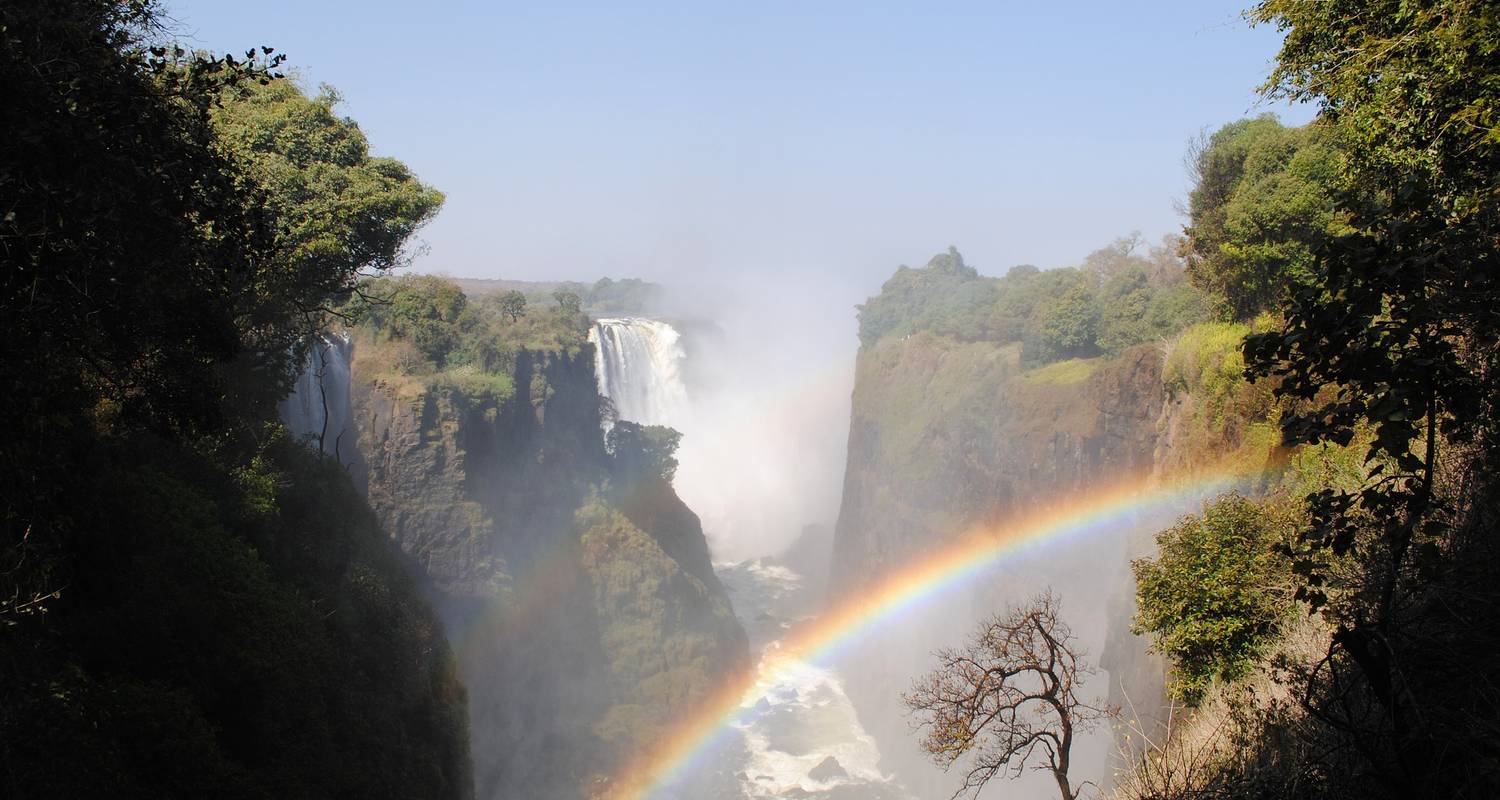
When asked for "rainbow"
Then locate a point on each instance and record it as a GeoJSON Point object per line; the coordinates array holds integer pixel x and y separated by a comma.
{"type": "Point", "coordinates": [822, 640]}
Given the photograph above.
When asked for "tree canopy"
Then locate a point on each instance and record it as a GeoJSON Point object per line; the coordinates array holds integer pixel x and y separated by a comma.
{"type": "Point", "coordinates": [1262, 204]}
{"type": "Point", "coordinates": [192, 604]}
{"type": "Point", "coordinates": [1118, 298]}
{"type": "Point", "coordinates": [1215, 594]}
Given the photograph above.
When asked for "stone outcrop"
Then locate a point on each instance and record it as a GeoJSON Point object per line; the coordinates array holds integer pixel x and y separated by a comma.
{"type": "Point", "coordinates": [579, 601]}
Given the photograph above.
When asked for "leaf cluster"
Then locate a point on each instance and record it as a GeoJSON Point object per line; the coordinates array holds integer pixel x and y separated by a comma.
{"type": "Point", "coordinates": [1262, 203]}
{"type": "Point", "coordinates": [1216, 593]}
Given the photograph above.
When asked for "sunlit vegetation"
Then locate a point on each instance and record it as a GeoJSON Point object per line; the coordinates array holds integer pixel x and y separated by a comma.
{"type": "Point", "coordinates": [1217, 592]}
{"type": "Point", "coordinates": [1372, 236]}
{"type": "Point", "coordinates": [419, 332]}
{"type": "Point", "coordinates": [1118, 298]}
{"type": "Point", "coordinates": [1262, 204]}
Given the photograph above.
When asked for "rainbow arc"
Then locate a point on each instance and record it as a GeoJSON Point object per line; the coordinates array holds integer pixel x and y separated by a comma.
{"type": "Point", "coordinates": [1100, 513]}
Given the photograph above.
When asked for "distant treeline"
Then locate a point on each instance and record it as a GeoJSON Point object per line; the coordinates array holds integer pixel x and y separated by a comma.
{"type": "Point", "coordinates": [1263, 200]}
{"type": "Point", "coordinates": [604, 296]}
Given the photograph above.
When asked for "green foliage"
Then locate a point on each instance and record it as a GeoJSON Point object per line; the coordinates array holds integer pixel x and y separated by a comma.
{"type": "Point", "coordinates": [340, 211]}
{"type": "Point", "coordinates": [569, 302]}
{"type": "Point", "coordinates": [1062, 373]}
{"type": "Point", "coordinates": [1262, 204]}
{"type": "Point", "coordinates": [1225, 420]}
{"type": "Point", "coordinates": [112, 287]}
{"type": "Point", "coordinates": [1132, 311]}
{"type": "Point", "coordinates": [947, 296]}
{"type": "Point", "coordinates": [1205, 361]}
{"type": "Point", "coordinates": [423, 310]}
{"type": "Point", "coordinates": [1216, 593]}
{"type": "Point", "coordinates": [667, 637]}
{"type": "Point", "coordinates": [644, 451]}
{"type": "Point", "coordinates": [192, 605]}
{"type": "Point", "coordinates": [420, 331]}
{"type": "Point", "coordinates": [1118, 299]}
{"type": "Point", "coordinates": [512, 304]}
{"type": "Point", "coordinates": [1395, 336]}
{"type": "Point", "coordinates": [1066, 324]}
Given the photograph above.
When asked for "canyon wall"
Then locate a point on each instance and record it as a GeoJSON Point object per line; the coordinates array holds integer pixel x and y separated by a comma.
{"type": "Point", "coordinates": [577, 596]}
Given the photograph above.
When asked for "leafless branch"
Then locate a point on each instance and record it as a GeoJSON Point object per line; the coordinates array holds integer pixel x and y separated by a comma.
{"type": "Point", "coordinates": [1007, 699]}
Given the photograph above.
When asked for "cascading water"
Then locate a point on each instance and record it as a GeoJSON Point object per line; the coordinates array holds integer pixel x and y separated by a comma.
{"type": "Point", "coordinates": [638, 364]}
{"type": "Point", "coordinates": [801, 738]}
{"type": "Point", "coordinates": [318, 409]}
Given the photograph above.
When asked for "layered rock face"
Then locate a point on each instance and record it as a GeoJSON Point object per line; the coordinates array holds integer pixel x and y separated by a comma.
{"type": "Point", "coordinates": [947, 435]}
{"type": "Point", "coordinates": [950, 432]}
{"type": "Point", "coordinates": [579, 600]}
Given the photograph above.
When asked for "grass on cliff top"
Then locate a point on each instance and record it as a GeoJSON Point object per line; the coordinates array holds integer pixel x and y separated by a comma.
{"type": "Point", "coordinates": [400, 367]}
{"type": "Point", "coordinates": [1222, 416]}
{"type": "Point", "coordinates": [1063, 373]}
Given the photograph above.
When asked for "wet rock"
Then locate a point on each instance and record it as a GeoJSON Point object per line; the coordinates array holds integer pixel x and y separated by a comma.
{"type": "Point", "coordinates": [828, 769]}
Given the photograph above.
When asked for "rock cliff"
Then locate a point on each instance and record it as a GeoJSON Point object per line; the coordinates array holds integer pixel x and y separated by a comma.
{"type": "Point", "coordinates": [952, 428]}
{"type": "Point", "coordinates": [578, 598]}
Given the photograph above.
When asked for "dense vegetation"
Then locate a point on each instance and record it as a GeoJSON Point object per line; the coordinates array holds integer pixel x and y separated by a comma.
{"type": "Point", "coordinates": [1375, 245]}
{"type": "Point", "coordinates": [1215, 594]}
{"type": "Point", "coordinates": [1336, 633]}
{"type": "Point", "coordinates": [1117, 299]}
{"type": "Point", "coordinates": [1262, 203]}
{"type": "Point", "coordinates": [191, 604]}
{"type": "Point", "coordinates": [420, 331]}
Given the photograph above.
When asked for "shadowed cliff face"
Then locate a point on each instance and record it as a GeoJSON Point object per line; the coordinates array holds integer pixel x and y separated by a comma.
{"type": "Point", "coordinates": [579, 600]}
{"type": "Point", "coordinates": [946, 436]}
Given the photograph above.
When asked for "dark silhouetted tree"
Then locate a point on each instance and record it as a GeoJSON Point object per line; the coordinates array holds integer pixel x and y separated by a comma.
{"type": "Point", "coordinates": [1007, 700]}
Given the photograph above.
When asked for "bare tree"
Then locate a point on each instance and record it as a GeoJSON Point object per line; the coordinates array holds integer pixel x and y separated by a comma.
{"type": "Point", "coordinates": [1007, 699]}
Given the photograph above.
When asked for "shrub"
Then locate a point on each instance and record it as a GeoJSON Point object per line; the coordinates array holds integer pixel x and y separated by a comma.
{"type": "Point", "coordinates": [1217, 592]}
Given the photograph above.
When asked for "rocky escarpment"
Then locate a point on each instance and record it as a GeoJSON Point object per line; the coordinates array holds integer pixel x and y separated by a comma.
{"type": "Point", "coordinates": [578, 598]}
{"type": "Point", "coordinates": [947, 435]}
{"type": "Point", "coordinates": [955, 428]}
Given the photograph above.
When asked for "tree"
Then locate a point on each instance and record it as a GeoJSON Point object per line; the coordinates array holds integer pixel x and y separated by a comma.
{"type": "Point", "coordinates": [1065, 325]}
{"type": "Point", "coordinates": [644, 451]}
{"type": "Point", "coordinates": [569, 302]}
{"type": "Point", "coordinates": [173, 563]}
{"type": "Point", "coordinates": [423, 309]}
{"type": "Point", "coordinates": [1396, 330]}
{"type": "Point", "coordinates": [1215, 594]}
{"type": "Point", "coordinates": [513, 304]}
{"type": "Point", "coordinates": [340, 212]}
{"type": "Point", "coordinates": [1262, 203]}
{"type": "Point", "coordinates": [1008, 699]}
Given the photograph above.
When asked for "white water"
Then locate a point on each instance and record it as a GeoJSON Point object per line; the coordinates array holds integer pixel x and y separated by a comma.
{"type": "Point", "coordinates": [638, 363]}
{"type": "Point", "coordinates": [318, 409]}
{"type": "Point", "coordinates": [801, 715]}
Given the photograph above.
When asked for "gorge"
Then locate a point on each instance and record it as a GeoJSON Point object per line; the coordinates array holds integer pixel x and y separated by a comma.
{"type": "Point", "coordinates": [522, 523]}
{"type": "Point", "coordinates": [286, 511]}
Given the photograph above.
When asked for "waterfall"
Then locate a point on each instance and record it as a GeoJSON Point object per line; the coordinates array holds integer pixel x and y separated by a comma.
{"type": "Point", "coordinates": [638, 363]}
{"type": "Point", "coordinates": [318, 408]}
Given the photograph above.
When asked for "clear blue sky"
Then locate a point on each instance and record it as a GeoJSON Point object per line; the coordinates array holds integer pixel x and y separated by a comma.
{"type": "Point", "coordinates": [814, 138]}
